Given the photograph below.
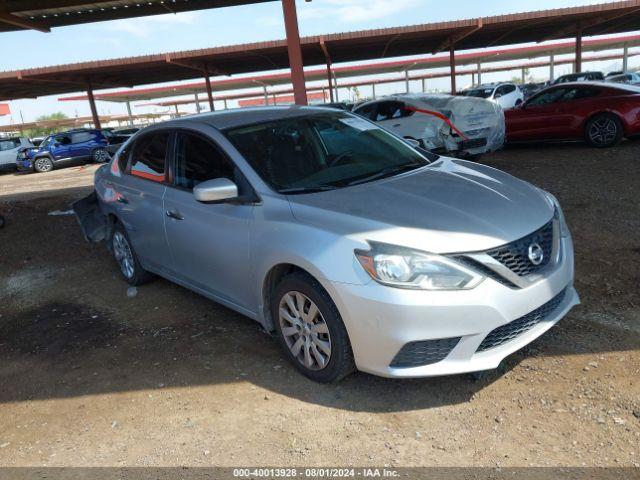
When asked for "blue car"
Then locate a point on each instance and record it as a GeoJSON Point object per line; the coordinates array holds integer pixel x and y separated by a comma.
{"type": "Point", "coordinates": [68, 148]}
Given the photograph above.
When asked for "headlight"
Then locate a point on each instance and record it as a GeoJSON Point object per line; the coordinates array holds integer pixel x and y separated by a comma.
{"type": "Point", "coordinates": [557, 213]}
{"type": "Point", "coordinates": [404, 268]}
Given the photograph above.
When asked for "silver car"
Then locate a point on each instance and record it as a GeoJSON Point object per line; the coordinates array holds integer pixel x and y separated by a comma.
{"type": "Point", "coordinates": [356, 249]}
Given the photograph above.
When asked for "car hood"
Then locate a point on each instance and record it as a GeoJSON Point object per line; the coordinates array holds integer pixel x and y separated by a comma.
{"type": "Point", "coordinates": [448, 206]}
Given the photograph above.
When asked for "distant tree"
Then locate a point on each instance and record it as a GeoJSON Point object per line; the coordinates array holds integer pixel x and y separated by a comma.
{"type": "Point", "coordinates": [43, 131]}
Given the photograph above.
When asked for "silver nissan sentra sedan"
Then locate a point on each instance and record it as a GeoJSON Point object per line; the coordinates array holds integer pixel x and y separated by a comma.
{"type": "Point", "coordinates": [357, 249]}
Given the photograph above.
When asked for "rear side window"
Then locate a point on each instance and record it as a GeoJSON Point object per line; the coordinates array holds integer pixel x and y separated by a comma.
{"type": "Point", "coordinates": [9, 144]}
{"type": "Point", "coordinates": [390, 110]}
{"type": "Point", "coordinates": [149, 155]}
{"type": "Point", "coordinates": [197, 161]}
{"type": "Point", "coordinates": [505, 89]}
{"type": "Point", "coordinates": [81, 137]}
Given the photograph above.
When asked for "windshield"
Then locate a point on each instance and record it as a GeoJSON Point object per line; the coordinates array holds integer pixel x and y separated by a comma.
{"type": "Point", "coordinates": [323, 151]}
{"type": "Point", "coordinates": [478, 92]}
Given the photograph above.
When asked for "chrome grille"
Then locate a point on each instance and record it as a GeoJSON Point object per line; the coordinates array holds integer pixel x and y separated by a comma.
{"type": "Point", "coordinates": [511, 330]}
{"type": "Point", "coordinates": [515, 255]}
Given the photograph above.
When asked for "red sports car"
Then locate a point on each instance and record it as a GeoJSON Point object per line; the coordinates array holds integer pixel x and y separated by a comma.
{"type": "Point", "coordinates": [600, 113]}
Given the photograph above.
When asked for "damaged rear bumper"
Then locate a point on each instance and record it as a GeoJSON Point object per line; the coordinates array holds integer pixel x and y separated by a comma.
{"type": "Point", "coordinates": [91, 218]}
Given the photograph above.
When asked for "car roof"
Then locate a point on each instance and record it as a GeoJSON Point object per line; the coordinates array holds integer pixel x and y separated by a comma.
{"type": "Point", "coordinates": [248, 116]}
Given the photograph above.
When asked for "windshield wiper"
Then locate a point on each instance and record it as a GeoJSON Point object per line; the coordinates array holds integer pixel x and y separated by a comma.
{"type": "Point", "coordinates": [313, 189]}
{"type": "Point", "coordinates": [386, 172]}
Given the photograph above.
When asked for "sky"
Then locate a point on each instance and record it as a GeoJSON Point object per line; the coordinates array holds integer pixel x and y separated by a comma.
{"type": "Point", "coordinates": [227, 26]}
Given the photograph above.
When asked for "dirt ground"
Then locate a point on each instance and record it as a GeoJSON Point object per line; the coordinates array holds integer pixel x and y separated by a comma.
{"type": "Point", "coordinates": [92, 377]}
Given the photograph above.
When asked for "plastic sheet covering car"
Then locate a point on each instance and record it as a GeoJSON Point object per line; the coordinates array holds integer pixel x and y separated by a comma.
{"type": "Point", "coordinates": [461, 126]}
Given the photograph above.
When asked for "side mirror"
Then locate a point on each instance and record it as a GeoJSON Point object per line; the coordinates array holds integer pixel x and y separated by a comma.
{"type": "Point", "coordinates": [57, 144]}
{"type": "Point", "coordinates": [216, 190]}
{"type": "Point", "coordinates": [413, 142]}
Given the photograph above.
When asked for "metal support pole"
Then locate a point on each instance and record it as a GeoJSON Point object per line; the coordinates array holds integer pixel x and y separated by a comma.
{"type": "Point", "coordinates": [406, 80]}
{"type": "Point", "coordinates": [92, 105]}
{"type": "Point", "coordinates": [295, 52]}
{"type": "Point", "coordinates": [473, 78]}
{"type": "Point", "coordinates": [266, 95]}
{"type": "Point", "coordinates": [625, 57]}
{"type": "Point", "coordinates": [452, 67]}
{"type": "Point", "coordinates": [479, 73]}
{"type": "Point", "coordinates": [129, 113]}
{"type": "Point", "coordinates": [424, 85]}
{"type": "Point", "coordinates": [197, 102]}
{"type": "Point", "coordinates": [176, 109]}
{"type": "Point", "coordinates": [551, 68]}
{"type": "Point", "coordinates": [335, 86]}
{"type": "Point", "coordinates": [324, 95]}
{"type": "Point", "coordinates": [524, 76]}
{"type": "Point", "coordinates": [329, 75]}
{"type": "Point", "coordinates": [373, 90]}
{"type": "Point", "coordinates": [207, 81]}
{"type": "Point", "coordinates": [579, 51]}
{"type": "Point", "coordinates": [225, 103]}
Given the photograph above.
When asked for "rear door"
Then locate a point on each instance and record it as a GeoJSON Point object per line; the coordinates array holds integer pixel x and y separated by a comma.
{"type": "Point", "coordinates": [81, 144]}
{"type": "Point", "coordinates": [139, 194]}
{"type": "Point", "coordinates": [209, 241]}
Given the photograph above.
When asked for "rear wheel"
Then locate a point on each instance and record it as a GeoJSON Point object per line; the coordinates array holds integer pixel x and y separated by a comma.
{"type": "Point", "coordinates": [42, 164]}
{"type": "Point", "coordinates": [100, 155]}
{"type": "Point", "coordinates": [127, 259]}
{"type": "Point", "coordinates": [603, 130]}
{"type": "Point", "coordinates": [310, 329]}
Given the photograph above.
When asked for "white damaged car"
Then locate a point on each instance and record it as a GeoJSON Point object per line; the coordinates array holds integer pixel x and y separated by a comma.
{"type": "Point", "coordinates": [458, 126]}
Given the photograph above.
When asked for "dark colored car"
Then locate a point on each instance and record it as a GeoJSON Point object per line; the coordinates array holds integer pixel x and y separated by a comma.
{"type": "Point", "coordinates": [580, 77]}
{"type": "Point", "coordinates": [68, 148]}
{"type": "Point", "coordinates": [599, 113]}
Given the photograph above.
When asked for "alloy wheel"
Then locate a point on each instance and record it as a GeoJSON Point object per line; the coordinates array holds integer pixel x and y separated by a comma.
{"type": "Point", "coordinates": [603, 131]}
{"type": "Point", "coordinates": [123, 254]}
{"type": "Point", "coordinates": [43, 164]}
{"type": "Point", "coordinates": [304, 330]}
{"type": "Point", "coordinates": [100, 156]}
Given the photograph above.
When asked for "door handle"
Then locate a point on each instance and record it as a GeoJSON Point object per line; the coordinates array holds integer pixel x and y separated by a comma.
{"type": "Point", "coordinates": [174, 214]}
{"type": "Point", "coordinates": [122, 199]}
{"type": "Point", "coordinates": [396, 124]}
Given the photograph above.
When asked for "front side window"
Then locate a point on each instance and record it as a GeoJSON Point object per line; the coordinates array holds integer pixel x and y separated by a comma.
{"type": "Point", "coordinates": [149, 156]}
{"type": "Point", "coordinates": [63, 139]}
{"type": "Point", "coordinates": [367, 110]}
{"type": "Point", "coordinates": [197, 160]}
{"type": "Point", "coordinates": [548, 97]}
{"type": "Point", "coordinates": [579, 93]}
{"type": "Point", "coordinates": [323, 151]}
{"type": "Point", "coordinates": [389, 111]}
{"type": "Point", "coordinates": [478, 92]}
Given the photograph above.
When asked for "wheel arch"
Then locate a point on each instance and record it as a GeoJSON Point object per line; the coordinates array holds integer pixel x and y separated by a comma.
{"type": "Point", "coordinates": [604, 112]}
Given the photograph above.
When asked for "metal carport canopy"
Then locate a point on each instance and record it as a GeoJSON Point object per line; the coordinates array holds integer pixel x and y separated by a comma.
{"type": "Point", "coordinates": [43, 15]}
{"type": "Point", "coordinates": [341, 47]}
{"type": "Point", "coordinates": [313, 75]}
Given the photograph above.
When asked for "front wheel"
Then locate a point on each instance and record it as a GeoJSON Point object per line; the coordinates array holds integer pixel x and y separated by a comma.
{"type": "Point", "coordinates": [42, 164]}
{"type": "Point", "coordinates": [604, 130]}
{"type": "Point", "coordinates": [127, 259]}
{"type": "Point", "coordinates": [310, 329]}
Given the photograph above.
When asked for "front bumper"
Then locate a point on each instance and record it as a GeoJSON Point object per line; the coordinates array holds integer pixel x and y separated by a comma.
{"type": "Point", "coordinates": [24, 165]}
{"type": "Point", "coordinates": [380, 320]}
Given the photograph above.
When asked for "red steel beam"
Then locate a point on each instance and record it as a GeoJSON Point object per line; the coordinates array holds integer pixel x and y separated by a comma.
{"type": "Point", "coordinates": [579, 51]}
{"type": "Point", "coordinates": [9, 18]}
{"type": "Point", "coordinates": [207, 82]}
{"type": "Point", "coordinates": [295, 51]}
{"type": "Point", "coordinates": [452, 67]}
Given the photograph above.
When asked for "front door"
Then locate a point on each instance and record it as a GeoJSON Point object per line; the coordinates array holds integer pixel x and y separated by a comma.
{"type": "Point", "coordinates": [209, 242]}
{"type": "Point", "coordinates": [540, 118]}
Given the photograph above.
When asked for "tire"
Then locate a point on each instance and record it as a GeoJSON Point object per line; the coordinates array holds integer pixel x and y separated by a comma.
{"type": "Point", "coordinates": [603, 130]}
{"type": "Point", "coordinates": [126, 258]}
{"type": "Point", "coordinates": [100, 155]}
{"type": "Point", "coordinates": [42, 164]}
{"type": "Point", "coordinates": [324, 329]}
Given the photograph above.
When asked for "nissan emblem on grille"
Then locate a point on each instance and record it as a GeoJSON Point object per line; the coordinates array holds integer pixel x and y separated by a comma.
{"type": "Point", "coordinates": [536, 254]}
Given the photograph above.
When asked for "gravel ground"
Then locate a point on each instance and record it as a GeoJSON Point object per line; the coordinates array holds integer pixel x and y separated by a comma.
{"type": "Point", "coordinates": [90, 376]}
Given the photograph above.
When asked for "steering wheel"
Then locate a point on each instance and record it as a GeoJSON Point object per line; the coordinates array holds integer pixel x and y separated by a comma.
{"type": "Point", "coordinates": [339, 159]}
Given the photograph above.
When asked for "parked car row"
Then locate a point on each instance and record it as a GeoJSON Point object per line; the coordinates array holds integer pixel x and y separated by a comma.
{"type": "Point", "coordinates": [66, 148]}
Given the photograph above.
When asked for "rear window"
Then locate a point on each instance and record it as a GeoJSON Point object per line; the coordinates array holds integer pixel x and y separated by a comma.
{"type": "Point", "coordinates": [149, 155]}
{"type": "Point", "coordinates": [9, 144]}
